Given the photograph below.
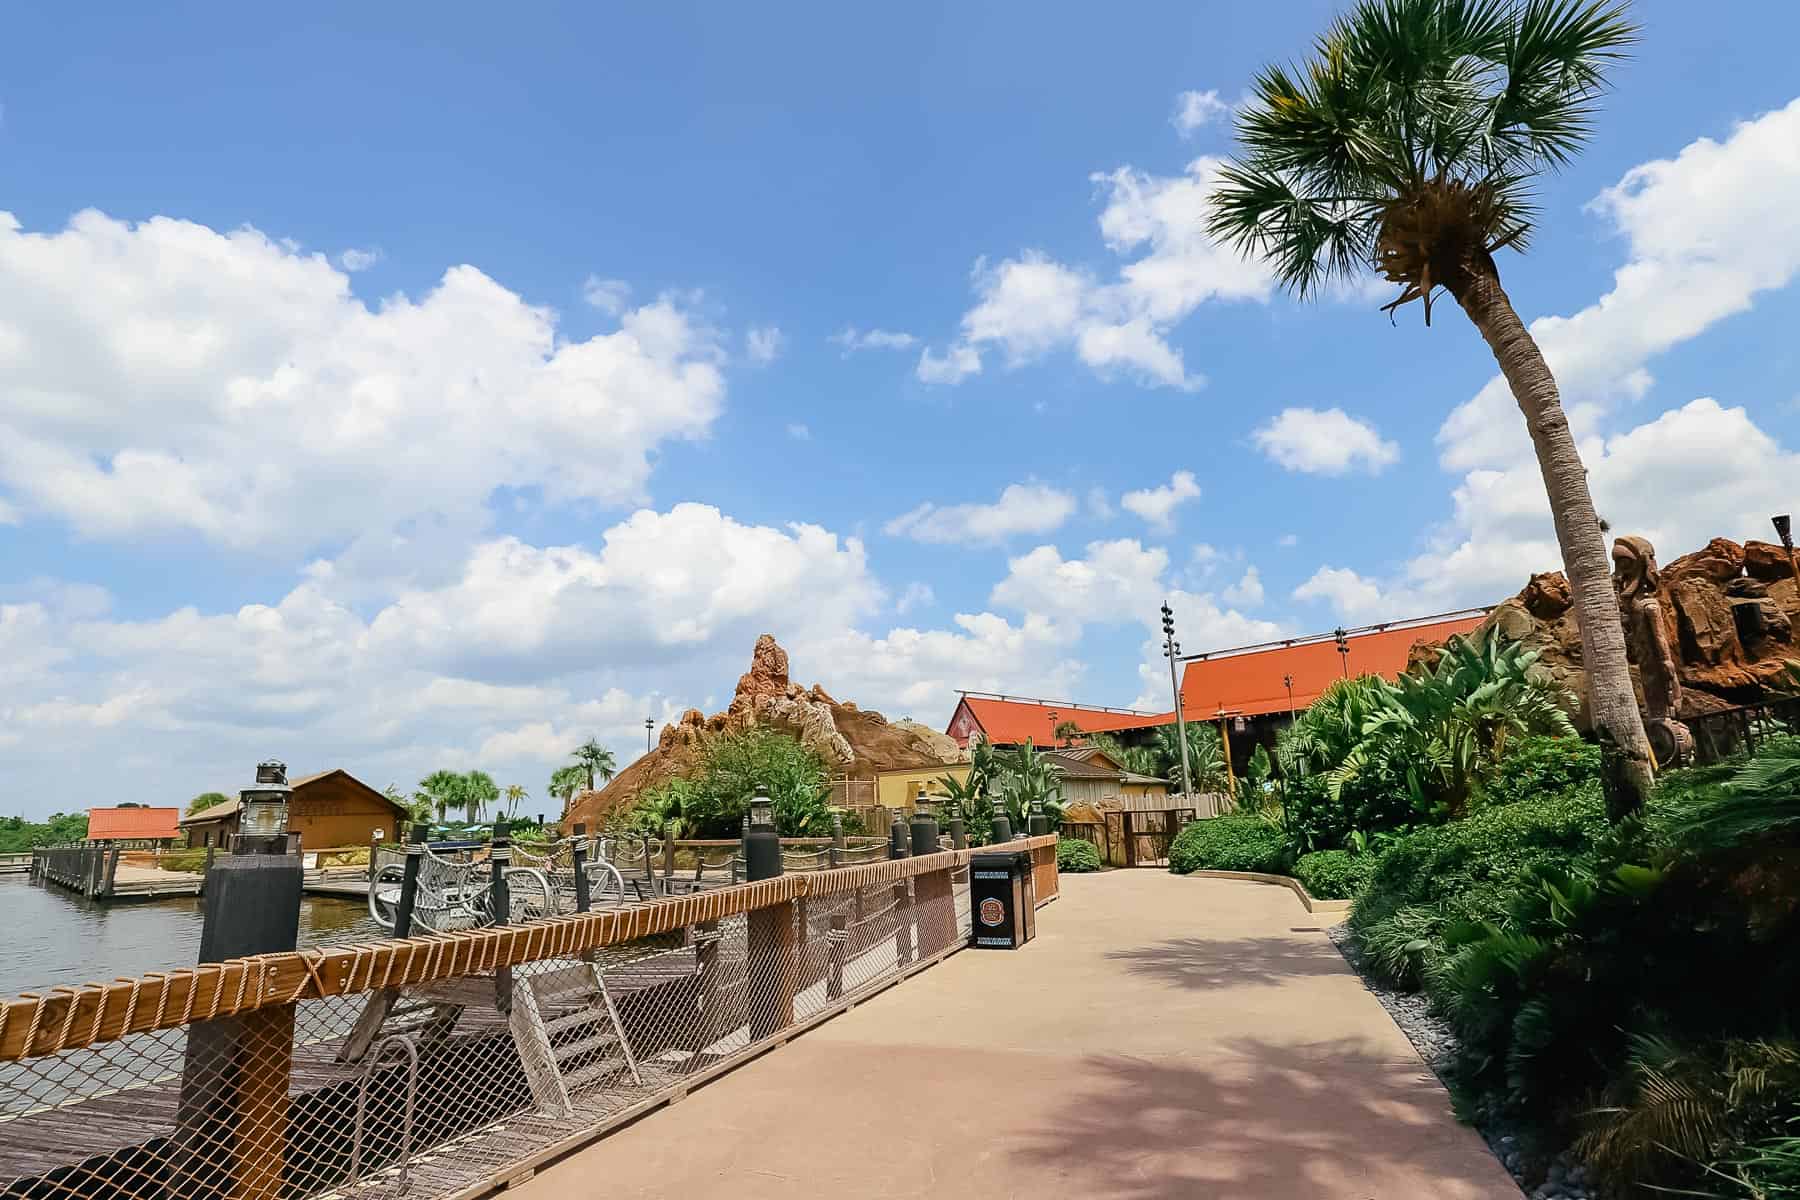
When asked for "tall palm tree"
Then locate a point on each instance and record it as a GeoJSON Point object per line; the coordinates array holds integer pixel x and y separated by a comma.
{"type": "Point", "coordinates": [595, 759]}
{"type": "Point", "coordinates": [514, 794]}
{"type": "Point", "coordinates": [479, 791]}
{"type": "Point", "coordinates": [1410, 144]}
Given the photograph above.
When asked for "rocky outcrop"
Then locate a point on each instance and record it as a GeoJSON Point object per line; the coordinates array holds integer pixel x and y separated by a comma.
{"type": "Point", "coordinates": [852, 743]}
{"type": "Point", "coordinates": [1730, 613]}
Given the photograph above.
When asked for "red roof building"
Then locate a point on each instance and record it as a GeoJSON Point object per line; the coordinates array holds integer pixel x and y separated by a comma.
{"type": "Point", "coordinates": [1009, 720]}
{"type": "Point", "coordinates": [132, 824]}
{"type": "Point", "coordinates": [1253, 681]}
{"type": "Point", "coordinates": [1249, 681]}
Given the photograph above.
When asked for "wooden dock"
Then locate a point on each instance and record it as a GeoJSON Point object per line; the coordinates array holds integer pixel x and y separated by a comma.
{"type": "Point", "coordinates": [97, 873]}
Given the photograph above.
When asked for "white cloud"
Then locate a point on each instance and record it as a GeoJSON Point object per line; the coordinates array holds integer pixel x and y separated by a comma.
{"type": "Point", "coordinates": [1324, 442]}
{"type": "Point", "coordinates": [952, 367]}
{"type": "Point", "coordinates": [799, 431]}
{"type": "Point", "coordinates": [1023, 508]}
{"type": "Point", "coordinates": [354, 260]}
{"type": "Point", "coordinates": [1195, 109]}
{"type": "Point", "coordinates": [853, 339]}
{"type": "Point", "coordinates": [166, 377]}
{"type": "Point", "coordinates": [1099, 504]}
{"type": "Point", "coordinates": [1118, 581]}
{"type": "Point", "coordinates": [1157, 505]}
{"type": "Point", "coordinates": [763, 344]}
{"type": "Point", "coordinates": [610, 296]}
{"type": "Point", "coordinates": [1349, 594]}
{"type": "Point", "coordinates": [916, 595]}
{"type": "Point", "coordinates": [1247, 592]}
{"type": "Point", "coordinates": [1706, 231]}
{"type": "Point", "coordinates": [1029, 306]}
{"type": "Point", "coordinates": [1288, 539]}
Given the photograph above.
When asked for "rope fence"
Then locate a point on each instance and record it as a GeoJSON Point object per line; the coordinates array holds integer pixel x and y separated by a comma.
{"type": "Point", "coordinates": [440, 1066]}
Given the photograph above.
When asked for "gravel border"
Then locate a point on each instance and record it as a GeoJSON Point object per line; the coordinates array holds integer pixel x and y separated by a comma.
{"type": "Point", "coordinates": [1564, 1178]}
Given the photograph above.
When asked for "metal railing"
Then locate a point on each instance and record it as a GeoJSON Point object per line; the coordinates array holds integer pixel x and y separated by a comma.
{"type": "Point", "coordinates": [1721, 735]}
{"type": "Point", "coordinates": [442, 1066]}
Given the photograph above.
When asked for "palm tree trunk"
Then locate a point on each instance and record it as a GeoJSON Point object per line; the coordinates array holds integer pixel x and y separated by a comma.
{"type": "Point", "coordinates": [1612, 704]}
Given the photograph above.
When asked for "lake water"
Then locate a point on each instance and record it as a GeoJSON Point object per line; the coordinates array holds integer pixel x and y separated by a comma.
{"type": "Point", "coordinates": [53, 937]}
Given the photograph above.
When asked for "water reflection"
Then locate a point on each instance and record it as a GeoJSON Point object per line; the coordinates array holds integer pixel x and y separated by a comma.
{"type": "Point", "coordinates": [55, 937]}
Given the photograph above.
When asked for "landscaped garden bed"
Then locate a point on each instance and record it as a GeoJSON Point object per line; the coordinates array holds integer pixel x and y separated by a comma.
{"type": "Point", "coordinates": [1612, 998]}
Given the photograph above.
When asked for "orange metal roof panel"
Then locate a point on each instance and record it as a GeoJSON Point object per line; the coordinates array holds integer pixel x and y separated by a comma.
{"type": "Point", "coordinates": [1012, 721]}
{"type": "Point", "coordinates": [1251, 683]}
{"type": "Point", "coordinates": [131, 824]}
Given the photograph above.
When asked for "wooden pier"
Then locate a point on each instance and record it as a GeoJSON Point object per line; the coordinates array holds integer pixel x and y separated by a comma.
{"type": "Point", "coordinates": [97, 873]}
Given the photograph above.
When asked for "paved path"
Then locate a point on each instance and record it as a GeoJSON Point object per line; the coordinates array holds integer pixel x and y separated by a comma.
{"type": "Point", "coordinates": [1163, 1038]}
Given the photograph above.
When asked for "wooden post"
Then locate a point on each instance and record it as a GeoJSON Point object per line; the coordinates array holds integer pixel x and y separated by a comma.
{"type": "Point", "coordinates": [233, 1110]}
{"type": "Point", "coordinates": [837, 839]}
{"type": "Point", "coordinates": [706, 974]}
{"type": "Point", "coordinates": [579, 853]}
{"type": "Point", "coordinates": [112, 871]}
{"type": "Point", "coordinates": [500, 905]}
{"type": "Point", "coordinates": [900, 846]}
{"type": "Point", "coordinates": [773, 947]}
{"type": "Point", "coordinates": [374, 845]}
{"type": "Point", "coordinates": [838, 940]}
{"type": "Point", "coordinates": [668, 853]}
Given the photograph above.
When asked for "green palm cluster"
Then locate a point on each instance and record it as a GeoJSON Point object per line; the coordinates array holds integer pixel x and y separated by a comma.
{"type": "Point", "coordinates": [1441, 733]}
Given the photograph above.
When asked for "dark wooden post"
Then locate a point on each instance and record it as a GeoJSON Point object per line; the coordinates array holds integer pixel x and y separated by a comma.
{"type": "Point", "coordinates": [579, 855]}
{"type": "Point", "coordinates": [668, 853]}
{"type": "Point", "coordinates": [112, 871]}
{"type": "Point", "coordinates": [837, 839]}
{"type": "Point", "coordinates": [773, 945]}
{"type": "Point", "coordinates": [900, 846]}
{"type": "Point", "coordinates": [233, 1109]}
{"type": "Point", "coordinates": [500, 902]}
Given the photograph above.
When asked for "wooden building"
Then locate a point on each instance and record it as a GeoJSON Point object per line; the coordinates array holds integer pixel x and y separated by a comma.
{"type": "Point", "coordinates": [133, 827]}
{"type": "Point", "coordinates": [332, 808]}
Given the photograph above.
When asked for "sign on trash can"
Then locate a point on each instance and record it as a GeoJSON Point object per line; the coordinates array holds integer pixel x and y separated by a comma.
{"type": "Point", "coordinates": [1000, 900]}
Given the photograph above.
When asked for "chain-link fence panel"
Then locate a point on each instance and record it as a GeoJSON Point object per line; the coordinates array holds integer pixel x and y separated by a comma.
{"type": "Point", "coordinates": [433, 1066]}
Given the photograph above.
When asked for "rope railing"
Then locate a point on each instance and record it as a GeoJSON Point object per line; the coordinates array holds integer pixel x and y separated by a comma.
{"type": "Point", "coordinates": [436, 1066]}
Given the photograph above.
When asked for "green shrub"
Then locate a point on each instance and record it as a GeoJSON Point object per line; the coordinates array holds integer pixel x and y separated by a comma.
{"type": "Point", "coordinates": [1544, 766]}
{"type": "Point", "coordinates": [1373, 801]}
{"type": "Point", "coordinates": [1240, 842]}
{"type": "Point", "coordinates": [1333, 874]}
{"type": "Point", "coordinates": [1077, 855]}
{"type": "Point", "coordinates": [1469, 865]}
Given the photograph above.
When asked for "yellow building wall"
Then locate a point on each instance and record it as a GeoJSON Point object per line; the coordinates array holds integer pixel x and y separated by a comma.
{"type": "Point", "coordinates": [896, 789]}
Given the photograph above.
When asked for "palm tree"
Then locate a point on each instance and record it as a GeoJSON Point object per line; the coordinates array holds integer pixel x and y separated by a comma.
{"type": "Point", "coordinates": [479, 791]}
{"type": "Point", "coordinates": [1206, 756]}
{"type": "Point", "coordinates": [1410, 144]}
{"type": "Point", "coordinates": [566, 781]}
{"type": "Point", "coordinates": [514, 795]}
{"type": "Point", "coordinates": [595, 759]}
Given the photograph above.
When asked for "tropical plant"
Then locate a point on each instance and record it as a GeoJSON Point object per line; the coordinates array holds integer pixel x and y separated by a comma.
{"type": "Point", "coordinates": [566, 781]}
{"type": "Point", "coordinates": [205, 800]}
{"type": "Point", "coordinates": [595, 760]}
{"type": "Point", "coordinates": [479, 791]}
{"type": "Point", "coordinates": [1023, 780]}
{"type": "Point", "coordinates": [1331, 727]}
{"type": "Point", "coordinates": [711, 801]}
{"type": "Point", "coordinates": [1759, 800]}
{"type": "Point", "coordinates": [1447, 727]}
{"type": "Point", "coordinates": [1410, 145]}
{"type": "Point", "coordinates": [1066, 731]}
{"type": "Point", "coordinates": [1333, 874]}
{"type": "Point", "coordinates": [514, 794]}
{"type": "Point", "coordinates": [1206, 757]}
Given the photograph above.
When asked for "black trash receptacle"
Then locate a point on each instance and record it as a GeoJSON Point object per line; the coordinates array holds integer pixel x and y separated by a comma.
{"type": "Point", "coordinates": [1000, 900]}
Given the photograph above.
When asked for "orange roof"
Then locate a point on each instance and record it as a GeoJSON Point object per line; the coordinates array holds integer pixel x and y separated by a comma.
{"type": "Point", "coordinates": [131, 824]}
{"type": "Point", "coordinates": [1009, 722]}
{"type": "Point", "coordinates": [1252, 682]}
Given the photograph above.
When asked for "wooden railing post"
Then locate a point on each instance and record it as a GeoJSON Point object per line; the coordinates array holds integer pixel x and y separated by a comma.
{"type": "Point", "coordinates": [668, 852]}
{"type": "Point", "coordinates": [900, 846]}
{"type": "Point", "coordinates": [112, 872]}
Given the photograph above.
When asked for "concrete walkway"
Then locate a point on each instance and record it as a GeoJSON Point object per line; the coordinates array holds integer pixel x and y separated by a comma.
{"type": "Point", "coordinates": [1163, 1038]}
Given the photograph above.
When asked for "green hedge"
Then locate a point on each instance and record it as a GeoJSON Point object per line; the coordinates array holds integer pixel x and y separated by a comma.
{"type": "Point", "coordinates": [1242, 842]}
{"type": "Point", "coordinates": [1334, 874]}
{"type": "Point", "coordinates": [1544, 766]}
{"type": "Point", "coordinates": [1076, 855]}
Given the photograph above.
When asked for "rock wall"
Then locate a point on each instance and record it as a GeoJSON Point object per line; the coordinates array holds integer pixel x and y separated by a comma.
{"type": "Point", "coordinates": [1732, 614]}
{"type": "Point", "coordinates": [850, 741]}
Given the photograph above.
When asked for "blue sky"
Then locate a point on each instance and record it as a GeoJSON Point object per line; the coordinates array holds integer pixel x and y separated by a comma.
{"type": "Point", "coordinates": [410, 388]}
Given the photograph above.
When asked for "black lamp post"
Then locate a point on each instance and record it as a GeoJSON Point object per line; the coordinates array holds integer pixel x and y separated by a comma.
{"type": "Point", "coordinates": [649, 724]}
{"type": "Point", "coordinates": [1172, 650]}
{"type": "Point", "coordinates": [1287, 681]}
{"type": "Point", "coordinates": [1343, 649]}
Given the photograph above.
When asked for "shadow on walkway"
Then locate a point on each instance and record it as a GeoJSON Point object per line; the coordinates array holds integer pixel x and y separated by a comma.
{"type": "Point", "coordinates": [1240, 962]}
{"type": "Point", "coordinates": [1260, 1120]}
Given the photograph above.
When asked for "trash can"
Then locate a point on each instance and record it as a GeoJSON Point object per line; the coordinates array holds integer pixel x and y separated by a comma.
{"type": "Point", "coordinates": [1000, 900]}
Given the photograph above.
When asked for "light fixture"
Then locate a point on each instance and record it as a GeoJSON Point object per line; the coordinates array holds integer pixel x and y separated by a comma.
{"type": "Point", "coordinates": [762, 809]}
{"type": "Point", "coordinates": [263, 807]}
